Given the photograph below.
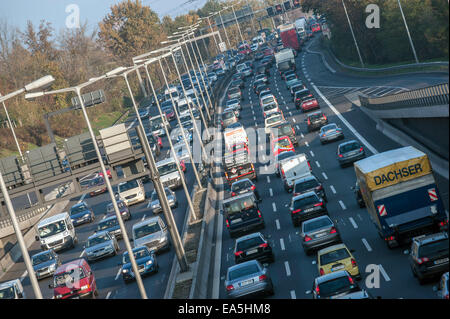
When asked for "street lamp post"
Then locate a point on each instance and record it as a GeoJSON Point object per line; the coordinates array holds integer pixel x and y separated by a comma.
{"type": "Point", "coordinates": [407, 31]}
{"type": "Point", "coordinates": [237, 22]}
{"type": "Point", "coordinates": [252, 16]}
{"type": "Point", "coordinates": [223, 26]}
{"type": "Point", "coordinates": [353, 35]}
{"type": "Point", "coordinates": [77, 91]}
{"type": "Point", "coordinates": [12, 129]}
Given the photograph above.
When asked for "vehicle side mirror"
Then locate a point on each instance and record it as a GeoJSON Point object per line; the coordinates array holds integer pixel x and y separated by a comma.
{"type": "Point", "coordinates": [37, 238]}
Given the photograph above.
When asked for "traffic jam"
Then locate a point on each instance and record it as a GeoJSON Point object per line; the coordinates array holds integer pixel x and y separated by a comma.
{"type": "Point", "coordinates": [298, 185]}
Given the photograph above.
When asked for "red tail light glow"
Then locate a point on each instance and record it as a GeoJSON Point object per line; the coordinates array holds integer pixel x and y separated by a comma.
{"type": "Point", "coordinates": [361, 149]}
{"type": "Point", "coordinates": [262, 277]}
{"type": "Point", "coordinates": [265, 245]}
{"type": "Point", "coordinates": [353, 262]}
{"type": "Point", "coordinates": [333, 230]}
{"type": "Point", "coordinates": [317, 290]}
{"type": "Point", "coordinates": [253, 187]}
{"type": "Point", "coordinates": [233, 194]}
{"type": "Point", "coordinates": [238, 253]}
{"type": "Point", "coordinates": [307, 238]}
{"type": "Point", "coordinates": [389, 238]}
{"type": "Point", "coordinates": [296, 211]}
{"type": "Point", "coordinates": [227, 223]}
{"type": "Point", "coordinates": [351, 280]}
{"type": "Point", "coordinates": [318, 204]}
{"type": "Point", "coordinates": [230, 287]}
{"type": "Point", "coordinates": [322, 272]}
{"type": "Point", "coordinates": [341, 156]}
{"type": "Point", "coordinates": [422, 260]}
{"type": "Point", "coordinates": [259, 214]}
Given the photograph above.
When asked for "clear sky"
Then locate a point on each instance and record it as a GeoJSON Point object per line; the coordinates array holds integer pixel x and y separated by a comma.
{"type": "Point", "coordinates": [18, 12]}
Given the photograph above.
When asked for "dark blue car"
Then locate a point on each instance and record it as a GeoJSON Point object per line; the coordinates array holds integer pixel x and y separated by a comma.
{"type": "Point", "coordinates": [145, 260]}
{"type": "Point", "coordinates": [81, 213]}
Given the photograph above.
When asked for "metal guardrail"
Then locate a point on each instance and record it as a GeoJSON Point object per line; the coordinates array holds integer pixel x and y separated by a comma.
{"type": "Point", "coordinates": [428, 96]}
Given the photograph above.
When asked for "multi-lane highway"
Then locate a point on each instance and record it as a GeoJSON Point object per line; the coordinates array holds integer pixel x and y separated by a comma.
{"type": "Point", "coordinates": [293, 272]}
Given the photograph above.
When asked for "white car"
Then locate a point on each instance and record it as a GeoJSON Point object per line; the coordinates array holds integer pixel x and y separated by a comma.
{"type": "Point", "coordinates": [254, 47]}
{"type": "Point", "coordinates": [273, 120]}
{"type": "Point", "coordinates": [234, 109]}
{"type": "Point", "coordinates": [270, 108]}
{"type": "Point", "coordinates": [267, 99]}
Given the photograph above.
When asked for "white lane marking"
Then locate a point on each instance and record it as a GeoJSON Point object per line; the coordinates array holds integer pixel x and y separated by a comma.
{"type": "Point", "coordinates": [261, 148]}
{"type": "Point", "coordinates": [143, 217]}
{"type": "Point", "coordinates": [270, 191]}
{"type": "Point", "coordinates": [290, 113]}
{"type": "Point", "coordinates": [254, 118]}
{"type": "Point", "coordinates": [332, 189]}
{"type": "Point", "coordinates": [118, 274]}
{"type": "Point", "coordinates": [324, 175]}
{"type": "Point", "coordinates": [342, 205]}
{"type": "Point", "coordinates": [293, 119]}
{"type": "Point", "coordinates": [105, 215]}
{"type": "Point", "coordinates": [312, 153]}
{"type": "Point", "coordinates": [82, 198]}
{"type": "Point", "coordinates": [288, 270]}
{"type": "Point", "coordinates": [282, 244]}
{"type": "Point", "coordinates": [293, 296]}
{"type": "Point", "coordinates": [268, 179]}
{"type": "Point", "coordinates": [317, 163]}
{"type": "Point", "coordinates": [306, 143]}
{"type": "Point", "coordinates": [369, 249]}
{"type": "Point", "coordinates": [82, 253]}
{"type": "Point", "coordinates": [274, 206]}
{"type": "Point", "coordinates": [350, 127]}
{"type": "Point", "coordinates": [384, 273]}
{"type": "Point", "coordinates": [253, 112]}
{"type": "Point", "coordinates": [266, 168]}
{"type": "Point", "coordinates": [301, 134]}
{"type": "Point", "coordinates": [277, 222]}
{"type": "Point", "coordinates": [108, 295]}
{"type": "Point", "coordinates": [355, 226]}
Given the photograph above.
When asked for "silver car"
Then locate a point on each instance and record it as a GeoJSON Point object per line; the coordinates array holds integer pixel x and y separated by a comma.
{"type": "Point", "coordinates": [235, 103]}
{"type": "Point", "coordinates": [155, 205]}
{"type": "Point", "coordinates": [151, 232]}
{"type": "Point", "coordinates": [330, 132]}
{"type": "Point", "coordinates": [45, 263]}
{"type": "Point", "coordinates": [248, 278]}
{"type": "Point", "coordinates": [234, 109]}
{"type": "Point", "coordinates": [350, 152]}
{"type": "Point", "coordinates": [317, 233]}
{"type": "Point", "coordinates": [229, 118]}
{"type": "Point", "coordinates": [100, 245]}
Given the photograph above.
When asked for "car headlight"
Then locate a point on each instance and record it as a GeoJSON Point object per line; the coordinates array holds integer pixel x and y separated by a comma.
{"type": "Point", "coordinates": [52, 267]}
{"type": "Point", "coordinates": [58, 296]}
{"type": "Point", "coordinates": [84, 287]}
{"type": "Point", "coordinates": [163, 239]}
{"type": "Point", "coordinates": [66, 233]}
{"type": "Point", "coordinates": [87, 215]}
{"type": "Point", "coordinates": [124, 271]}
{"type": "Point", "coordinates": [149, 262]}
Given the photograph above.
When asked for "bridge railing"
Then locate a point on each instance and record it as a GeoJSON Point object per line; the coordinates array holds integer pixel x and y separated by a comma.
{"type": "Point", "coordinates": [423, 97]}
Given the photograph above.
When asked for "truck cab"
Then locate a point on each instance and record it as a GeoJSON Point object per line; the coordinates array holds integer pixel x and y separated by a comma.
{"type": "Point", "coordinates": [12, 290]}
{"type": "Point", "coordinates": [56, 232]}
{"type": "Point", "coordinates": [293, 168]}
{"type": "Point", "coordinates": [170, 177]}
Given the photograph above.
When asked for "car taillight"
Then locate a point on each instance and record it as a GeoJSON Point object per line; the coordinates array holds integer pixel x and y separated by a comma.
{"type": "Point", "coordinates": [361, 149]}
{"type": "Point", "coordinates": [340, 155]}
{"type": "Point", "coordinates": [238, 253]}
{"type": "Point", "coordinates": [318, 188]}
{"type": "Point", "coordinates": [309, 165]}
{"type": "Point", "coordinates": [233, 194]}
{"type": "Point", "coordinates": [322, 272]}
{"type": "Point", "coordinates": [351, 280]}
{"type": "Point", "coordinates": [230, 287]}
{"type": "Point", "coordinates": [390, 238]}
{"type": "Point", "coordinates": [227, 223]}
{"type": "Point", "coordinates": [307, 238]}
{"type": "Point", "coordinates": [253, 187]}
{"type": "Point", "coordinates": [318, 204]}
{"type": "Point", "coordinates": [264, 114]}
{"type": "Point", "coordinates": [353, 262]}
{"type": "Point", "coordinates": [282, 172]}
{"type": "Point", "coordinates": [317, 290]}
{"type": "Point", "coordinates": [422, 260]}
{"type": "Point", "coordinates": [296, 211]}
{"type": "Point", "coordinates": [324, 117]}
{"type": "Point", "coordinates": [309, 121]}
{"type": "Point", "coordinates": [333, 230]}
{"type": "Point", "coordinates": [262, 277]}
{"type": "Point", "coordinates": [265, 245]}
{"type": "Point", "coordinates": [442, 224]}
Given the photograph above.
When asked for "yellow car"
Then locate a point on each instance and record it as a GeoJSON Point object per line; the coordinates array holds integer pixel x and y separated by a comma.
{"type": "Point", "coordinates": [335, 258]}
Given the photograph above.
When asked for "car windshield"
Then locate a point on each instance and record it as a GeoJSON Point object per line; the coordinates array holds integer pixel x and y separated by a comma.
{"type": "Point", "coordinates": [138, 254]}
{"type": "Point", "coordinates": [232, 101]}
{"type": "Point", "coordinates": [316, 116]}
{"type": "Point", "coordinates": [146, 229]}
{"type": "Point", "coordinates": [290, 78]}
{"type": "Point", "coordinates": [245, 69]}
{"type": "Point", "coordinates": [243, 271]}
{"type": "Point", "coordinates": [167, 168]}
{"type": "Point", "coordinates": [239, 205]}
{"type": "Point", "coordinates": [269, 107]}
{"type": "Point", "coordinates": [167, 109]}
{"type": "Point", "coordinates": [128, 185]}
{"type": "Point", "coordinates": [236, 187]}
{"type": "Point", "coordinates": [155, 195]}
{"type": "Point", "coordinates": [300, 94]}
{"type": "Point", "coordinates": [71, 275]}
{"type": "Point", "coordinates": [109, 223]}
{"type": "Point", "coordinates": [7, 293]}
{"type": "Point", "coordinates": [433, 248]}
{"type": "Point", "coordinates": [260, 76]}
{"type": "Point", "coordinates": [334, 256]}
{"type": "Point", "coordinates": [306, 185]}
{"type": "Point", "coordinates": [227, 115]}
{"type": "Point", "coordinates": [78, 209]}
{"type": "Point", "coordinates": [249, 243]}
{"type": "Point", "coordinates": [335, 286]}
{"type": "Point", "coordinates": [233, 90]}
{"type": "Point", "coordinates": [100, 239]}
{"type": "Point", "coordinates": [268, 99]}
{"type": "Point", "coordinates": [329, 127]}
{"type": "Point", "coordinates": [42, 258]}
{"type": "Point", "coordinates": [274, 119]}
{"type": "Point", "coordinates": [305, 201]}
{"type": "Point", "coordinates": [349, 147]}
{"type": "Point", "coordinates": [183, 108]}
{"type": "Point", "coordinates": [285, 155]}
{"type": "Point", "coordinates": [52, 229]}
{"type": "Point", "coordinates": [284, 130]}
{"type": "Point", "coordinates": [315, 224]}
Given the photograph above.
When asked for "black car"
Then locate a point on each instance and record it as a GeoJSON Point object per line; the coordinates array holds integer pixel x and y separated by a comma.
{"type": "Point", "coordinates": [306, 206]}
{"type": "Point", "coordinates": [259, 55]}
{"type": "Point", "coordinates": [339, 284]}
{"type": "Point", "coordinates": [263, 69]}
{"type": "Point", "coordinates": [429, 256]}
{"type": "Point", "coordinates": [300, 96]}
{"type": "Point", "coordinates": [237, 83]}
{"type": "Point", "coordinates": [308, 184]}
{"type": "Point", "coordinates": [244, 186]}
{"type": "Point", "coordinates": [253, 246]}
{"type": "Point", "coordinates": [287, 73]}
{"type": "Point", "coordinates": [262, 87]}
{"type": "Point", "coordinates": [285, 129]}
{"type": "Point", "coordinates": [297, 87]}
{"type": "Point", "coordinates": [316, 120]}
{"type": "Point", "coordinates": [242, 214]}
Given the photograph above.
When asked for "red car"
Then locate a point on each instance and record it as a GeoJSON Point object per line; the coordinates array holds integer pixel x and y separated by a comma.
{"type": "Point", "coordinates": [159, 141]}
{"type": "Point", "coordinates": [315, 27]}
{"type": "Point", "coordinates": [282, 144]}
{"type": "Point", "coordinates": [108, 172]}
{"type": "Point", "coordinates": [183, 166]}
{"type": "Point", "coordinates": [74, 279]}
{"type": "Point", "coordinates": [309, 104]}
{"type": "Point", "coordinates": [97, 181]}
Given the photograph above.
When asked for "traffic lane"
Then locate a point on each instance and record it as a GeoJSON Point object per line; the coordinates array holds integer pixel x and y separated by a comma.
{"type": "Point", "coordinates": [322, 76]}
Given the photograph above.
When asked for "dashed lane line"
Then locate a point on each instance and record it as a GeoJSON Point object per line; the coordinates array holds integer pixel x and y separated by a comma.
{"type": "Point", "coordinates": [293, 296]}
{"type": "Point", "coordinates": [352, 221]}
{"type": "Point", "coordinates": [342, 205]}
{"type": "Point", "coordinates": [108, 295]}
{"type": "Point", "coordinates": [384, 273]}
{"type": "Point", "coordinates": [369, 249]}
{"type": "Point", "coordinates": [333, 189]}
{"type": "Point", "coordinates": [282, 244]}
{"type": "Point", "coordinates": [274, 207]}
{"type": "Point", "coordinates": [318, 164]}
{"type": "Point", "coordinates": [288, 270]}
{"type": "Point", "coordinates": [277, 222]}
{"type": "Point", "coordinates": [118, 274]}
{"type": "Point", "coordinates": [268, 180]}
{"type": "Point", "coordinates": [324, 175]}
{"type": "Point", "coordinates": [270, 191]}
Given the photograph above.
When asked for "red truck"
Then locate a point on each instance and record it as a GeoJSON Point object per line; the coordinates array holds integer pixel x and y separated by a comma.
{"type": "Point", "coordinates": [289, 36]}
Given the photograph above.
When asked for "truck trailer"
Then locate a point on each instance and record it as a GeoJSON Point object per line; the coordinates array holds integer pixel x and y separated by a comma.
{"type": "Point", "coordinates": [289, 36]}
{"type": "Point", "coordinates": [401, 195]}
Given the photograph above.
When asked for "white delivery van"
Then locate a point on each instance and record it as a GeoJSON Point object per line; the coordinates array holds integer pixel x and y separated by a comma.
{"type": "Point", "coordinates": [169, 175]}
{"type": "Point", "coordinates": [171, 92]}
{"type": "Point", "coordinates": [131, 192]}
{"type": "Point", "coordinates": [234, 136]}
{"type": "Point", "coordinates": [12, 290]}
{"type": "Point", "coordinates": [293, 168]}
{"type": "Point", "coordinates": [56, 232]}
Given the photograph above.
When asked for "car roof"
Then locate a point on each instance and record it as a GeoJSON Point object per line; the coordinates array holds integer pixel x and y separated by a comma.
{"type": "Point", "coordinates": [166, 160]}
{"type": "Point", "coordinates": [238, 197]}
{"type": "Point", "coordinates": [242, 180]}
{"type": "Point", "coordinates": [146, 221]}
{"type": "Point", "coordinates": [103, 232]}
{"type": "Point", "coordinates": [331, 276]}
{"type": "Point", "coordinates": [348, 142]}
{"type": "Point", "coordinates": [45, 252]}
{"type": "Point", "coordinates": [108, 218]}
{"type": "Point", "coordinates": [257, 234]}
{"type": "Point", "coordinates": [425, 239]}
{"type": "Point", "coordinates": [304, 179]}
{"type": "Point", "coordinates": [331, 248]}
{"type": "Point", "coordinates": [53, 219]}
{"type": "Point", "coordinates": [307, 194]}
{"type": "Point", "coordinates": [316, 113]}
{"type": "Point", "coordinates": [8, 283]}
{"type": "Point", "coordinates": [83, 203]}
{"type": "Point", "coordinates": [76, 262]}
{"type": "Point", "coordinates": [242, 265]}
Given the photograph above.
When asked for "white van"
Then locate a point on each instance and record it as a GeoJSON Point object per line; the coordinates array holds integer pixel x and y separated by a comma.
{"type": "Point", "coordinates": [160, 126]}
{"type": "Point", "coordinates": [293, 168]}
{"type": "Point", "coordinates": [169, 175]}
{"type": "Point", "coordinates": [151, 232]}
{"type": "Point", "coordinates": [12, 290]}
{"type": "Point", "coordinates": [131, 192]}
{"type": "Point", "coordinates": [171, 92]}
{"type": "Point", "coordinates": [56, 232]}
